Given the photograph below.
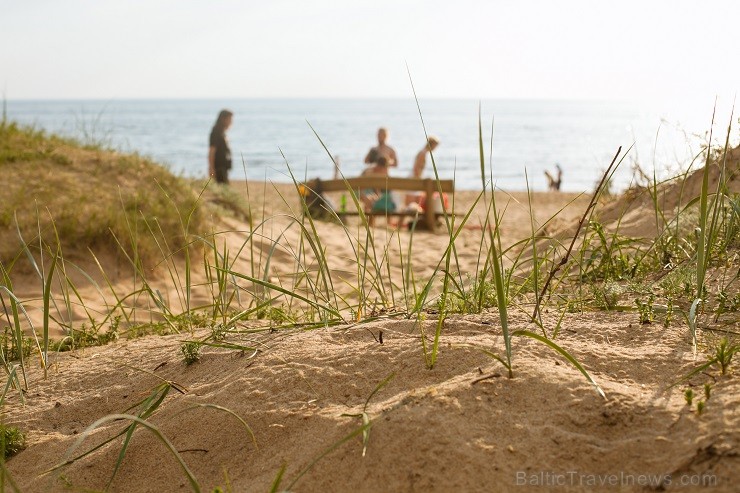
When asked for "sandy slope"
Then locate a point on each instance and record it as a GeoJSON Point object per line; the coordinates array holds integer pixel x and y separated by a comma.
{"type": "Point", "coordinates": [433, 430]}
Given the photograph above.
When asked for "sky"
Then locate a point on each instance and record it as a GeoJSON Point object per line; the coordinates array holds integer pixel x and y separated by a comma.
{"type": "Point", "coordinates": [673, 51]}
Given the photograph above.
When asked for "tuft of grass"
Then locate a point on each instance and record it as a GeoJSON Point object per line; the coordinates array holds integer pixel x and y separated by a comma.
{"type": "Point", "coordinates": [11, 350]}
{"type": "Point", "coordinates": [12, 440]}
{"type": "Point", "coordinates": [104, 195]}
{"type": "Point", "coordinates": [645, 309]}
{"type": "Point", "coordinates": [700, 407]}
{"type": "Point", "coordinates": [87, 336]}
{"type": "Point", "coordinates": [190, 352]}
{"type": "Point", "coordinates": [723, 354]}
{"type": "Point", "coordinates": [586, 215]}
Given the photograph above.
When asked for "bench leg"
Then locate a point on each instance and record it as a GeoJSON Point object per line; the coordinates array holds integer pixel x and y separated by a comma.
{"type": "Point", "coordinates": [429, 215]}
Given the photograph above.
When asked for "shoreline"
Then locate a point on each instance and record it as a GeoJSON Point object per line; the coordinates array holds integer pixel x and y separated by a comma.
{"type": "Point", "coordinates": [530, 138]}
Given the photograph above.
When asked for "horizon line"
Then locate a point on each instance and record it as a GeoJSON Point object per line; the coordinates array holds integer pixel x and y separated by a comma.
{"type": "Point", "coordinates": [321, 98]}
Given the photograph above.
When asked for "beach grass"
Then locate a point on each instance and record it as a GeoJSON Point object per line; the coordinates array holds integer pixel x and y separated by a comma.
{"type": "Point", "coordinates": [161, 229]}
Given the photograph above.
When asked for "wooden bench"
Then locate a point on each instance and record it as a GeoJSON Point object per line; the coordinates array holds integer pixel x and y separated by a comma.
{"type": "Point", "coordinates": [388, 183]}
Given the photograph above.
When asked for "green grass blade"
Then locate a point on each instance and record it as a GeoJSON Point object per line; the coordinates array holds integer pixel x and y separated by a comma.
{"type": "Point", "coordinates": [227, 345]}
{"type": "Point", "coordinates": [47, 297]}
{"type": "Point", "coordinates": [496, 259]}
{"type": "Point", "coordinates": [12, 380]}
{"type": "Point", "coordinates": [691, 319]}
{"type": "Point", "coordinates": [7, 477]}
{"type": "Point", "coordinates": [284, 291]}
{"type": "Point", "coordinates": [227, 411]}
{"type": "Point", "coordinates": [326, 452]}
{"type": "Point", "coordinates": [693, 372]}
{"type": "Point", "coordinates": [703, 213]}
{"type": "Point", "coordinates": [278, 479]}
{"type": "Point", "coordinates": [149, 405]}
{"type": "Point", "coordinates": [378, 388]}
{"type": "Point", "coordinates": [487, 352]}
{"type": "Point", "coordinates": [152, 428]}
{"type": "Point", "coordinates": [15, 306]}
{"type": "Point", "coordinates": [566, 355]}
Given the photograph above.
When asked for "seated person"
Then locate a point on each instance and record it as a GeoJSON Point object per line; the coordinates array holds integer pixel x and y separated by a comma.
{"type": "Point", "coordinates": [370, 196]}
{"type": "Point", "coordinates": [421, 158]}
{"type": "Point", "coordinates": [419, 164]}
{"type": "Point", "coordinates": [382, 149]}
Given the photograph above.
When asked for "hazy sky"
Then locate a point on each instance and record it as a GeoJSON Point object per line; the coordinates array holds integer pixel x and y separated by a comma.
{"type": "Point", "coordinates": [671, 50]}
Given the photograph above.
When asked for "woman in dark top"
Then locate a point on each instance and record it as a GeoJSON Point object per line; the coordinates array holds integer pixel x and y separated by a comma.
{"type": "Point", "coordinates": [219, 154]}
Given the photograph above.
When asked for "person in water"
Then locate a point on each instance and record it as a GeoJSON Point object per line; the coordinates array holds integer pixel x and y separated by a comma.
{"type": "Point", "coordinates": [554, 182]}
{"type": "Point", "coordinates": [382, 149]}
{"type": "Point", "coordinates": [219, 154]}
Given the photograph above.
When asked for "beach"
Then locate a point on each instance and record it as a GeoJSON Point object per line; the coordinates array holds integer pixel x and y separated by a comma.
{"type": "Point", "coordinates": [269, 136]}
{"type": "Point", "coordinates": [355, 404]}
{"type": "Point", "coordinates": [431, 429]}
{"type": "Point", "coordinates": [369, 246]}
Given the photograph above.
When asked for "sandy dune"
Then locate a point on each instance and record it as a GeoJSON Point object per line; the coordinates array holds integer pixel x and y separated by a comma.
{"type": "Point", "coordinates": [431, 430]}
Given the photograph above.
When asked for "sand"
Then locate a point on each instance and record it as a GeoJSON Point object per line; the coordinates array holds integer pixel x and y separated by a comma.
{"type": "Point", "coordinates": [546, 429]}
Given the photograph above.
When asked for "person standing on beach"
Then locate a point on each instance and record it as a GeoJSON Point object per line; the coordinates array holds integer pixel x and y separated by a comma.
{"type": "Point", "coordinates": [421, 158]}
{"type": "Point", "coordinates": [219, 154]}
{"type": "Point", "coordinates": [382, 149]}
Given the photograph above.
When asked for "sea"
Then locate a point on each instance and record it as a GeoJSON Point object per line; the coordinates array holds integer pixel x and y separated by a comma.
{"type": "Point", "coordinates": [274, 139]}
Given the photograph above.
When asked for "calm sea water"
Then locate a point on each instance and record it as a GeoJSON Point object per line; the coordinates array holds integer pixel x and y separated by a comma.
{"type": "Point", "coordinates": [534, 135]}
